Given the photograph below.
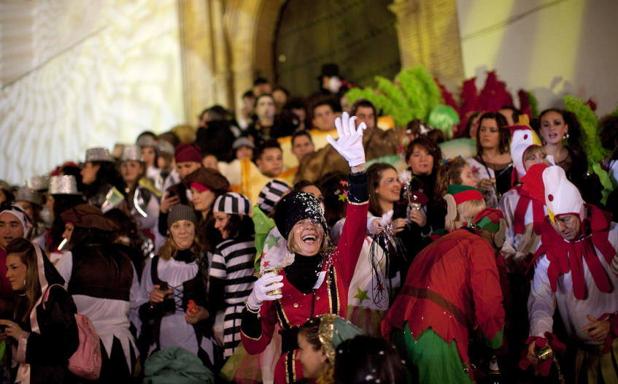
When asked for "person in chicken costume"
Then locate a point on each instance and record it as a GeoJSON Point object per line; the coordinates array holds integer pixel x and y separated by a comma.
{"type": "Point", "coordinates": [572, 272]}
{"type": "Point", "coordinates": [523, 215]}
{"type": "Point", "coordinates": [452, 289]}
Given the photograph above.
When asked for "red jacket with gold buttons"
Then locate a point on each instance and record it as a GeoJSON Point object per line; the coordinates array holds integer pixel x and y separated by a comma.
{"type": "Point", "coordinates": [295, 308]}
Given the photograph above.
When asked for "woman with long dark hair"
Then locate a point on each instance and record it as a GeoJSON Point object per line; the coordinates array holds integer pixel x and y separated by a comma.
{"type": "Point", "coordinates": [424, 158]}
{"type": "Point", "coordinates": [99, 176]}
{"type": "Point", "coordinates": [43, 329]}
{"type": "Point", "coordinates": [206, 185]}
{"type": "Point", "coordinates": [561, 135]}
{"type": "Point", "coordinates": [492, 162]}
{"type": "Point", "coordinates": [231, 271]}
{"type": "Point", "coordinates": [141, 195]}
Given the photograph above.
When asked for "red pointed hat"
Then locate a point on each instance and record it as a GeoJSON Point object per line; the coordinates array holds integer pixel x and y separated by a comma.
{"type": "Point", "coordinates": [532, 182]}
{"type": "Point", "coordinates": [549, 185]}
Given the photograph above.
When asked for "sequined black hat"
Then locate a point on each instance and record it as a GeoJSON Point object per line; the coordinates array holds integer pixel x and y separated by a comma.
{"type": "Point", "coordinates": [297, 206]}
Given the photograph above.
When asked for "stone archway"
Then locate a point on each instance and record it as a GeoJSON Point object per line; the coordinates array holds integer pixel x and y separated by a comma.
{"type": "Point", "coordinates": [359, 36]}
{"type": "Point", "coordinates": [225, 44]}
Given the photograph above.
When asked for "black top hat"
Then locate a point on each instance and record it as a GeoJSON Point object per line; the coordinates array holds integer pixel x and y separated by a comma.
{"type": "Point", "coordinates": [329, 70]}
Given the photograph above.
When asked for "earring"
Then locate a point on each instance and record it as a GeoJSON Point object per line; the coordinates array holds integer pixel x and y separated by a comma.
{"type": "Point", "coordinates": [566, 136]}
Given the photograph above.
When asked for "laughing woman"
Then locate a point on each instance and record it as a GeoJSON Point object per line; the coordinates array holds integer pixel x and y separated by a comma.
{"type": "Point", "coordinates": [317, 281]}
{"type": "Point", "coordinates": [172, 299]}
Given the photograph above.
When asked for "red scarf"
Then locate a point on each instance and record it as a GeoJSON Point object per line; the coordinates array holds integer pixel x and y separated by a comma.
{"type": "Point", "coordinates": [519, 216]}
{"type": "Point", "coordinates": [569, 256]}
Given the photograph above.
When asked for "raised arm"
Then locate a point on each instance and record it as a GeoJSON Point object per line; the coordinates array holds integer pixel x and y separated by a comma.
{"type": "Point", "coordinates": [350, 147]}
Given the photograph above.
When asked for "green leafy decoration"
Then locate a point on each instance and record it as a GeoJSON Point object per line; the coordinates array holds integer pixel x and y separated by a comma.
{"type": "Point", "coordinates": [591, 141]}
{"type": "Point", "coordinates": [432, 91]}
{"type": "Point", "coordinates": [394, 95]}
{"type": "Point", "coordinates": [589, 122]}
{"type": "Point", "coordinates": [605, 179]}
{"type": "Point", "coordinates": [534, 104]}
{"type": "Point", "coordinates": [415, 91]}
{"type": "Point", "coordinates": [412, 95]}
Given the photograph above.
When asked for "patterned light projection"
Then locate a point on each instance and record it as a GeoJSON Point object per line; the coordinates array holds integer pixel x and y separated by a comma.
{"type": "Point", "coordinates": [80, 74]}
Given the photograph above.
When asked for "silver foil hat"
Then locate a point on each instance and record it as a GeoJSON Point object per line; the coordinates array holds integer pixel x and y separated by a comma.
{"type": "Point", "coordinates": [29, 195]}
{"type": "Point", "coordinates": [38, 183]}
{"type": "Point", "coordinates": [63, 185]}
{"type": "Point", "coordinates": [165, 147]}
{"type": "Point", "coordinates": [146, 141]}
{"type": "Point", "coordinates": [98, 154]}
{"type": "Point", "coordinates": [131, 152]}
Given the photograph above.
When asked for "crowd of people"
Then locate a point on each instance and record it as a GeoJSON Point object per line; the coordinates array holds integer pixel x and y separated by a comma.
{"type": "Point", "coordinates": [306, 240]}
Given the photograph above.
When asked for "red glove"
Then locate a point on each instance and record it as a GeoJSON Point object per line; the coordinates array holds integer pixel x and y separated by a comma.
{"type": "Point", "coordinates": [543, 367]}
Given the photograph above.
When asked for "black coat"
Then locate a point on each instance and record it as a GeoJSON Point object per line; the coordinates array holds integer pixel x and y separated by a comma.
{"type": "Point", "coordinates": [48, 351]}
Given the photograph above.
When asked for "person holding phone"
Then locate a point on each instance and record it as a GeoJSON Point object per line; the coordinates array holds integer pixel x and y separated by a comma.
{"type": "Point", "coordinates": [172, 295]}
{"type": "Point", "coordinates": [492, 163]}
{"type": "Point", "coordinates": [43, 329]}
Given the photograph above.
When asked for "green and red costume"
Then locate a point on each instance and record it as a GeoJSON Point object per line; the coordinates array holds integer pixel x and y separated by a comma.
{"type": "Point", "coordinates": [452, 287]}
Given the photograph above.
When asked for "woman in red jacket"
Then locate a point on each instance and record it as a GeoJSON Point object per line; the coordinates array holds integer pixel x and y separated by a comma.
{"type": "Point", "coordinates": [317, 280]}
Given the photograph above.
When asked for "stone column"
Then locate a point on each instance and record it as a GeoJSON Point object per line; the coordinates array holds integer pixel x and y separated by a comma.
{"type": "Point", "coordinates": [205, 58]}
{"type": "Point", "coordinates": [428, 32]}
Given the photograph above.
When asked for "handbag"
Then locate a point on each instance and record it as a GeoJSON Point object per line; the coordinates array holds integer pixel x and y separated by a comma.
{"type": "Point", "coordinates": [86, 361]}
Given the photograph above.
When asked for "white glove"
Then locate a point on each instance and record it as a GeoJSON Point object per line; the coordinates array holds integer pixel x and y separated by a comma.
{"type": "Point", "coordinates": [350, 141]}
{"type": "Point", "coordinates": [387, 218]}
{"type": "Point", "coordinates": [262, 289]}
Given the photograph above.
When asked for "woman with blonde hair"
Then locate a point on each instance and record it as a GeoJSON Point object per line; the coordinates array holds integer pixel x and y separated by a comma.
{"type": "Point", "coordinates": [317, 281]}
{"type": "Point", "coordinates": [173, 295]}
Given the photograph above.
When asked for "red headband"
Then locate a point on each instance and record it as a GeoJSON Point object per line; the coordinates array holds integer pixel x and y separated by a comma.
{"type": "Point", "coordinates": [467, 195]}
{"type": "Point", "coordinates": [199, 187]}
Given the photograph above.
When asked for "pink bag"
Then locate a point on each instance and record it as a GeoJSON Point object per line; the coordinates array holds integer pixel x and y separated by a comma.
{"type": "Point", "coordinates": [86, 361]}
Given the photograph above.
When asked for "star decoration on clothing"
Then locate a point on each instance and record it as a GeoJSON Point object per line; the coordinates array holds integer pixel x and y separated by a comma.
{"type": "Point", "coordinates": [361, 295]}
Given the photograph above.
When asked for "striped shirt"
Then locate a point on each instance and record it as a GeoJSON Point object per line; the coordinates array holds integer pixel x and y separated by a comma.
{"type": "Point", "coordinates": [232, 262]}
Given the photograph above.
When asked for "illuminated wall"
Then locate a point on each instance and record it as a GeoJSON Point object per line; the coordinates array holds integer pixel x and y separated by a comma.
{"type": "Point", "coordinates": [76, 74]}
{"type": "Point", "coordinates": [551, 47]}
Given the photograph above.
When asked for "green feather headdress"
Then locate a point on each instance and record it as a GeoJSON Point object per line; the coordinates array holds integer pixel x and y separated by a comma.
{"type": "Point", "coordinates": [591, 141]}
{"type": "Point", "coordinates": [412, 95]}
